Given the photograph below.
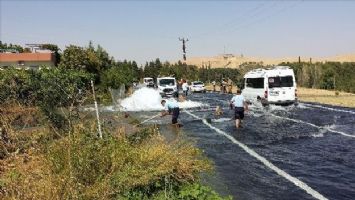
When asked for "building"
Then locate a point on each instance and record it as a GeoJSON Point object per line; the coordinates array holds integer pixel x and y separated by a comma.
{"type": "Point", "coordinates": [27, 60]}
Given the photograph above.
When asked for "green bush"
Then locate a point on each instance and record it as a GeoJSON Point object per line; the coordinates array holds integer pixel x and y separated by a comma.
{"type": "Point", "coordinates": [88, 168]}
{"type": "Point", "coordinates": [48, 89]}
{"type": "Point", "coordinates": [121, 73]}
{"type": "Point", "coordinates": [16, 85]}
{"type": "Point", "coordinates": [328, 75]}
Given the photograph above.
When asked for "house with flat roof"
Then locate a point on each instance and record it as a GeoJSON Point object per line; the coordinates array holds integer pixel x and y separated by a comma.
{"type": "Point", "coordinates": [32, 60]}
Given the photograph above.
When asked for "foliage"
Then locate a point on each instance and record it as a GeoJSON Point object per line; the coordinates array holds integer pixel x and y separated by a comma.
{"type": "Point", "coordinates": [153, 68]}
{"type": "Point", "coordinates": [180, 70]}
{"type": "Point", "coordinates": [48, 89]}
{"type": "Point", "coordinates": [60, 88]}
{"type": "Point", "coordinates": [121, 73]}
{"type": "Point", "coordinates": [86, 58]}
{"type": "Point", "coordinates": [79, 166]}
{"type": "Point", "coordinates": [75, 57]}
{"type": "Point", "coordinates": [5, 46]}
{"type": "Point", "coordinates": [55, 49]}
{"type": "Point", "coordinates": [197, 191]}
{"type": "Point", "coordinates": [15, 85]}
{"type": "Point", "coordinates": [328, 75]}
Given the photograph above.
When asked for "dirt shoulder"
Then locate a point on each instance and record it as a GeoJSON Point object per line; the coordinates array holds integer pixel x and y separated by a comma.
{"type": "Point", "coordinates": [326, 97]}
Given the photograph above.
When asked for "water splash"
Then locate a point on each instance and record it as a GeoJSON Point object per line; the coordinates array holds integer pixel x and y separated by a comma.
{"type": "Point", "coordinates": [221, 120]}
{"type": "Point", "coordinates": [148, 99]}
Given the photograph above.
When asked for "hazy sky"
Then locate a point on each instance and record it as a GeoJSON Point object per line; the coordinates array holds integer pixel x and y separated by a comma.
{"type": "Point", "coordinates": [145, 30]}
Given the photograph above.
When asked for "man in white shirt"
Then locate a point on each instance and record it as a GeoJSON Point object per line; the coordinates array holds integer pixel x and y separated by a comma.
{"type": "Point", "coordinates": [171, 107]}
{"type": "Point", "coordinates": [240, 106]}
{"type": "Point", "coordinates": [185, 87]}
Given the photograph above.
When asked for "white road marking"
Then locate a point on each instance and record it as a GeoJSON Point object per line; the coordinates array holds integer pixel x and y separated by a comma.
{"type": "Point", "coordinates": [320, 127]}
{"type": "Point", "coordinates": [328, 108]}
{"type": "Point", "coordinates": [263, 160]}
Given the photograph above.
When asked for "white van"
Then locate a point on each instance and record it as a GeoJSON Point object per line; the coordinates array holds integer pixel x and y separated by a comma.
{"type": "Point", "coordinates": [167, 86]}
{"type": "Point", "coordinates": [272, 86]}
{"type": "Point", "coordinates": [148, 82]}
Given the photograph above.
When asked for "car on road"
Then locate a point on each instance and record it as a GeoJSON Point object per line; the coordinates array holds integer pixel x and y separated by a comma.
{"type": "Point", "coordinates": [197, 86]}
{"type": "Point", "coordinates": [148, 82]}
{"type": "Point", "coordinates": [167, 86]}
{"type": "Point", "coordinates": [276, 85]}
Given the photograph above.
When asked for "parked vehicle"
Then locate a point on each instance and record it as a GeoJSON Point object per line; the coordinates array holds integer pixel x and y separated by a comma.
{"type": "Point", "coordinates": [272, 86]}
{"type": "Point", "coordinates": [197, 86]}
{"type": "Point", "coordinates": [167, 86]}
{"type": "Point", "coordinates": [148, 82]}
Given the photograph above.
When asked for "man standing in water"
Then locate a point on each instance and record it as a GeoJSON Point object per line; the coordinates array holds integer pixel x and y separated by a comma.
{"type": "Point", "coordinates": [171, 108]}
{"type": "Point", "coordinates": [240, 106]}
{"type": "Point", "coordinates": [185, 88]}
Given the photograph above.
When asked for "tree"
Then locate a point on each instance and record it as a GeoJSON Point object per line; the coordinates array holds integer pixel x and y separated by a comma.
{"type": "Point", "coordinates": [92, 60]}
{"type": "Point", "coordinates": [14, 47]}
{"type": "Point", "coordinates": [122, 73]}
{"type": "Point", "coordinates": [55, 49]}
{"type": "Point", "coordinates": [74, 57]}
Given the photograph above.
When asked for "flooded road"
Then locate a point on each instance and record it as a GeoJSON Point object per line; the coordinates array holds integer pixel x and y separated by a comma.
{"type": "Point", "coordinates": [308, 150]}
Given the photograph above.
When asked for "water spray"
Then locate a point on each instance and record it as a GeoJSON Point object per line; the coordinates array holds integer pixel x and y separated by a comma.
{"type": "Point", "coordinates": [155, 116]}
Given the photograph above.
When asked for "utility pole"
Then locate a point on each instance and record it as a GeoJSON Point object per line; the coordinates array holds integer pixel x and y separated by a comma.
{"type": "Point", "coordinates": [96, 109]}
{"type": "Point", "coordinates": [184, 47]}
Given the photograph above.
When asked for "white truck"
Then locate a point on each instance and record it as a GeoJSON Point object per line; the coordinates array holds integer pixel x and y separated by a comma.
{"type": "Point", "coordinates": [167, 86]}
{"type": "Point", "coordinates": [276, 85]}
{"type": "Point", "coordinates": [148, 82]}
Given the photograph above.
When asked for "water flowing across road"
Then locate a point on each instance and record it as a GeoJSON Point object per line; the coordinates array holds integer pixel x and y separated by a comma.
{"type": "Point", "coordinates": [295, 152]}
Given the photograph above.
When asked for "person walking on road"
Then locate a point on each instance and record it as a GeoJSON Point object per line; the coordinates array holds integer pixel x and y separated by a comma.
{"type": "Point", "coordinates": [230, 86]}
{"type": "Point", "coordinates": [171, 108]}
{"type": "Point", "coordinates": [214, 86]}
{"type": "Point", "coordinates": [185, 88]}
{"type": "Point", "coordinates": [240, 106]}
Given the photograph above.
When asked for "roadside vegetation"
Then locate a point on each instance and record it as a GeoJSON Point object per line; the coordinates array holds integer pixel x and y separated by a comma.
{"type": "Point", "coordinates": [50, 149]}
{"type": "Point", "coordinates": [329, 75]}
{"type": "Point", "coordinates": [326, 97]}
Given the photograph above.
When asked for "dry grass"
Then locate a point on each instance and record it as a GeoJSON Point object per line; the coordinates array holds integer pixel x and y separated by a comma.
{"type": "Point", "coordinates": [326, 97]}
{"type": "Point", "coordinates": [82, 167]}
{"type": "Point", "coordinates": [25, 176]}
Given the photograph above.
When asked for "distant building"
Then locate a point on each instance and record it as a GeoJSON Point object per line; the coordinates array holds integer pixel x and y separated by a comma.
{"type": "Point", "coordinates": [27, 60]}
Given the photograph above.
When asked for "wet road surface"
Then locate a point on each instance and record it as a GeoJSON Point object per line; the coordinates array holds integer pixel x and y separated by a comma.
{"type": "Point", "coordinates": [311, 142]}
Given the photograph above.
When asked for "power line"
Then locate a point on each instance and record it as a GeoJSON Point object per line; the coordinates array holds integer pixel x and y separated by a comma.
{"type": "Point", "coordinates": [250, 13]}
{"type": "Point", "coordinates": [277, 12]}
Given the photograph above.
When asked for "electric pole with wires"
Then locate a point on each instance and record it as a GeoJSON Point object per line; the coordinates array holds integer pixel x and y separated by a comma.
{"type": "Point", "coordinates": [184, 47]}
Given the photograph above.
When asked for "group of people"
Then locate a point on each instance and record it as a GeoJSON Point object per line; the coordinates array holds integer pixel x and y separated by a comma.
{"type": "Point", "coordinates": [238, 103]}
{"type": "Point", "coordinates": [225, 86]}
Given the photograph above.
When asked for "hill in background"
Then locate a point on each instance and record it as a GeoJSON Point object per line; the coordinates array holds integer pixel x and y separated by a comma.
{"type": "Point", "coordinates": [234, 61]}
